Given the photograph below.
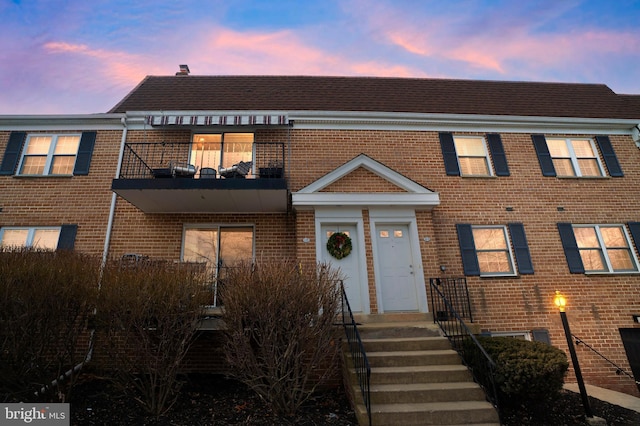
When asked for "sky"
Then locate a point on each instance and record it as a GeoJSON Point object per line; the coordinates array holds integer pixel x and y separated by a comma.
{"type": "Point", "coordinates": [81, 57]}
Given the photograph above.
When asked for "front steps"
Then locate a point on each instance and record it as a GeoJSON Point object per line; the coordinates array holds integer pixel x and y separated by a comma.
{"type": "Point", "coordinates": [416, 378]}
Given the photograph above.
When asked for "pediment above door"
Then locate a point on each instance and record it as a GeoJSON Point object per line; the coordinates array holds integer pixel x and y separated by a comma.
{"type": "Point", "coordinates": [364, 181]}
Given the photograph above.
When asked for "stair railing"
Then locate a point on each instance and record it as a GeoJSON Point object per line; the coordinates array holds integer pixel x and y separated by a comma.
{"type": "Point", "coordinates": [619, 370]}
{"type": "Point", "coordinates": [463, 341]}
{"type": "Point", "coordinates": [358, 354]}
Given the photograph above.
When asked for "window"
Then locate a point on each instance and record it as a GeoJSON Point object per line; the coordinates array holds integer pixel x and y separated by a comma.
{"type": "Point", "coordinates": [579, 157]}
{"type": "Point", "coordinates": [604, 248]}
{"type": "Point", "coordinates": [219, 247]}
{"type": "Point", "coordinates": [48, 155]}
{"type": "Point", "coordinates": [473, 155]}
{"type": "Point", "coordinates": [221, 150]}
{"type": "Point", "coordinates": [494, 250]}
{"type": "Point", "coordinates": [45, 238]}
{"type": "Point", "coordinates": [574, 157]}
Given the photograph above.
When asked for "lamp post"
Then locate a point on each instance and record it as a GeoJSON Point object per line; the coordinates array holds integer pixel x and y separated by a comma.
{"type": "Point", "coordinates": [560, 302]}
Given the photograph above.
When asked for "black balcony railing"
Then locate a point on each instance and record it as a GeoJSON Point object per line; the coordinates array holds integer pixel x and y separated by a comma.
{"type": "Point", "coordinates": [358, 354]}
{"type": "Point", "coordinates": [141, 159]}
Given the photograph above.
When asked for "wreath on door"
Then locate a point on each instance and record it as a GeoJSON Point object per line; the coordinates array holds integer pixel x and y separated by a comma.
{"type": "Point", "coordinates": [339, 245]}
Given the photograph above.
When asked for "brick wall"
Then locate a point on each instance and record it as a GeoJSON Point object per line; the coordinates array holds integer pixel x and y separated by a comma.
{"type": "Point", "coordinates": [53, 201]}
{"type": "Point", "coordinates": [598, 304]}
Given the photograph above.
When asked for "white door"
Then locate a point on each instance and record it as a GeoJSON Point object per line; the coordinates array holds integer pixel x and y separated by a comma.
{"type": "Point", "coordinates": [348, 265]}
{"type": "Point", "coordinates": [396, 266]}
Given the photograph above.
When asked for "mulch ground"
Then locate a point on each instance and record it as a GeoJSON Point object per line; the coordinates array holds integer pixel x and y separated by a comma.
{"type": "Point", "coordinates": [216, 400]}
{"type": "Point", "coordinates": [204, 400]}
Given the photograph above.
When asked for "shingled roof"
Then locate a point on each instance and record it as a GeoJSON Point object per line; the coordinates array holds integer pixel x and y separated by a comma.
{"type": "Point", "coordinates": [377, 94]}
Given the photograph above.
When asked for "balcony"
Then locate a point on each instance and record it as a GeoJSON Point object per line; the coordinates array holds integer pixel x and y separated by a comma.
{"type": "Point", "coordinates": [157, 178]}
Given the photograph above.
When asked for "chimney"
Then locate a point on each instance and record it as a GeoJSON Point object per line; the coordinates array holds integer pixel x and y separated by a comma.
{"type": "Point", "coordinates": [184, 70]}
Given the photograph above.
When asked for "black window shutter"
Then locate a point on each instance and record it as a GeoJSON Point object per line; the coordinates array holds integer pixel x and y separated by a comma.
{"type": "Point", "coordinates": [570, 247]}
{"type": "Point", "coordinates": [497, 154]}
{"type": "Point", "coordinates": [521, 248]}
{"type": "Point", "coordinates": [85, 150]}
{"type": "Point", "coordinates": [634, 230]}
{"type": "Point", "coordinates": [609, 155]}
{"type": "Point", "coordinates": [67, 239]}
{"type": "Point", "coordinates": [12, 153]}
{"type": "Point", "coordinates": [544, 157]}
{"type": "Point", "coordinates": [468, 249]}
{"type": "Point", "coordinates": [449, 154]}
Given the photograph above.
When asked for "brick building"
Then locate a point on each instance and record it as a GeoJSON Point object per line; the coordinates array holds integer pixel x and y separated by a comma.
{"type": "Point", "coordinates": [522, 188]}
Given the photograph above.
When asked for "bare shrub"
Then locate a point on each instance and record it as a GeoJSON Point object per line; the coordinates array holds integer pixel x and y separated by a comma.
{"type": "Point", "coordinates": [281, 337]}
{"type": "Point", "coordinates": [46, 299]}
{"type": "Point", "coordinates": [148, 315]}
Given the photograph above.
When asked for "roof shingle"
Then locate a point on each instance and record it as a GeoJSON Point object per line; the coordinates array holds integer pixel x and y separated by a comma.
{"type": "Point", "coordinates": [377, 94]}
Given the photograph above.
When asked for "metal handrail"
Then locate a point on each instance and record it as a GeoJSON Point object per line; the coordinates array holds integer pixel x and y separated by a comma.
{"type": "Point", "coordinates": [619, 370]}
{"type": "Point", "coordinates": [457, 331]}
{"type": "Point", "coordinates": [358, 354]}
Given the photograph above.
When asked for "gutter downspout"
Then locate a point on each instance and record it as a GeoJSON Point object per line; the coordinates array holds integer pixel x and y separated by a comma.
{"type": "Point", "coordinates": [105, 251]}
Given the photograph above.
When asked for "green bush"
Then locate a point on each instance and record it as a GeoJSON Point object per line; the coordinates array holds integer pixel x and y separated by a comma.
{"type": "Point", "coordinates": [281, 335]}
{"type": "Point", "coordinates": [46, 299]}
{"type": "Point", "coordinates": [525, 371]}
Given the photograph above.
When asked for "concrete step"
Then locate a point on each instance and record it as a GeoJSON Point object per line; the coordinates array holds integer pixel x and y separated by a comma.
{"type": "Point", "coordinates": [412, 358]}
{"type": "Point", "coordinates": [416, 374]}
{"type": "Point", "coordinates": [424, 392]}
{"type": "Point", "coordinates": [405, 344]}
{"type": "Point", "coordinates": [393, 317]}
{"type": "Point", "coordinates": [397, 330]}
{"type": "Point", "coordinates": [433, 413]}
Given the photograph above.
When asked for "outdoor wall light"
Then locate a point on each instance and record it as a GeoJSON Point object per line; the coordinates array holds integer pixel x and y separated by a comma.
{"type": "Point", "coordinates": [306, 240]}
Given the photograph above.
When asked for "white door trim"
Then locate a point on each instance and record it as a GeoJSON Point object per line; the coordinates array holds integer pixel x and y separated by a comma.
{"type": "Point", "coordinates": [330, 216]}
{"type": "Point", "coordinates": [405, 217]}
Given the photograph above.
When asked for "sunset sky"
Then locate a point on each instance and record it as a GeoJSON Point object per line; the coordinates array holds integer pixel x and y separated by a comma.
{"type": "Point", "coordinates": [77, 57]}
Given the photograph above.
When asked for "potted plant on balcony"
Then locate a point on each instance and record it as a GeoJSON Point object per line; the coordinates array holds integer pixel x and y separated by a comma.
{"type": "Point", "coordinates": [273, 170]}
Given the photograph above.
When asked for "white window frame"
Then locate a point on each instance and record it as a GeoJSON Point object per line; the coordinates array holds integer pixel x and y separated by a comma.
{"type": "Point", "coordinates": [604, 250]}
{"type": "Point", "coordinates": [50, 154]}
{"type": "Point", "coordinates": [31, 231]}
{"type": "Point", "coordinates": [574, 157]}
{"type": "Point", "coordinates": [509, 251]}
{"type": "Point", "coordinates": [487, 156]}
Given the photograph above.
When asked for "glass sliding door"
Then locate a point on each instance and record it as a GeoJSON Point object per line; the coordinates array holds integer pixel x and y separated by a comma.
{"type": "Point", "coordinates": [219, 248]}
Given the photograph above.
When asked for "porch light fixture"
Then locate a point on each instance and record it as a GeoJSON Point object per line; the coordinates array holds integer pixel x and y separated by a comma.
{"type": "Point", "coordinates": [560, 301]}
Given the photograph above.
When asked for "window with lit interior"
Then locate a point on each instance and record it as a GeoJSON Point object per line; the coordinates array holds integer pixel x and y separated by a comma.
{"type": "Point", "coordinates": [49, 155]}
{"type": "Point", "coordinates": [473, 156]}
{"type": "Point", "coordinates": [38, 238]}
{"type": "Point", "coordinates": [221, 150]}
{"type": "Point", "coordinates": [605, 248]}
{"type": "Point", "coordinates": [575, 157]}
